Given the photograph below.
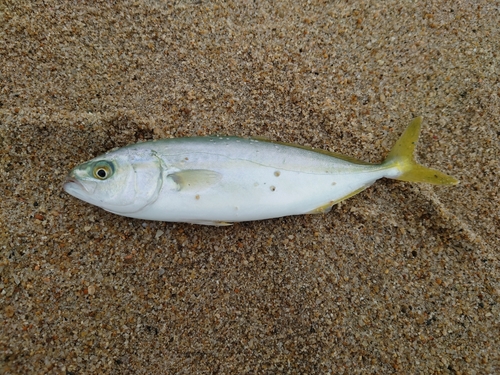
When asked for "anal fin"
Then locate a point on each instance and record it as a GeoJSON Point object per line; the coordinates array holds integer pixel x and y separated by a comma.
{"type": "Point", "coordinates": [322, 209]}
{"type": "Point", "coordinates": [325, 208]}
{"type": "Point", "coordinates": [215, 223]}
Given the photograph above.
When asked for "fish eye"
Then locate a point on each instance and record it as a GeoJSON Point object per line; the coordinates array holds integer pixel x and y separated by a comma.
{"type": "Point", "coordinates": [102, 171]}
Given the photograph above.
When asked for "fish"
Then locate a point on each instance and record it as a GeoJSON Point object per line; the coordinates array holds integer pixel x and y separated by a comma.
{"type": "Point", "coordinates": [219, 180]}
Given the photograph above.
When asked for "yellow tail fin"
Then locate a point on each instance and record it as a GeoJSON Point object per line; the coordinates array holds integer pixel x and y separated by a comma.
{"type": "Point", "coordinates": [401, 156]}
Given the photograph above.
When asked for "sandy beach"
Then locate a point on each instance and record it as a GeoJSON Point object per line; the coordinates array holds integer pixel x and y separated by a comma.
{"type": "Point", "coordinates": [403, 278]}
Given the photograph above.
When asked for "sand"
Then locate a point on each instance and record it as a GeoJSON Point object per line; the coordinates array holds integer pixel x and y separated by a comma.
{"type": "Point", "coordinates": [402, 278]}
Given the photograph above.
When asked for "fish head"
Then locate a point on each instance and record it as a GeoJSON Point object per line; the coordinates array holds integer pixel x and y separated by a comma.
{"type": "Point", "coordinates": [122, 182]}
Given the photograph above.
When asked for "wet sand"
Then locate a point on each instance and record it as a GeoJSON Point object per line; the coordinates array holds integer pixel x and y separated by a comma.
{"type": "Point", "coordinates": [402, 278]}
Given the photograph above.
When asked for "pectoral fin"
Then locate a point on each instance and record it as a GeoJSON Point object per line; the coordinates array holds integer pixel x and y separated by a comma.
{"type": "Point", "coordinates": [195, 179]}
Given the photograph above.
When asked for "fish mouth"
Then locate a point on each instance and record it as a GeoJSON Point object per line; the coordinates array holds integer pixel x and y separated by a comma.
{"type": "Point", "coordinates": [71, 184]}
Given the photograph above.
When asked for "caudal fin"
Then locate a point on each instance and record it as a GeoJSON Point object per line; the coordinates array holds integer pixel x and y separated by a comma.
{"type": "Point", "coordinates": [401, 156]}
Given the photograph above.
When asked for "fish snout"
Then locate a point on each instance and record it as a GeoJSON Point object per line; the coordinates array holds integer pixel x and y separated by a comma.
{"type": "Point", "coordinates": [71, 184]}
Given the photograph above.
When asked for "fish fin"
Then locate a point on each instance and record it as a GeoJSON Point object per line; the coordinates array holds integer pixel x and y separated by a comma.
{"type": "Point", "coordinates": [215, 223]}
{"type": "Point", "coordinates": [323, 209]}
{"type": "Point", "coordinates": [401, 157]}
{"type": "Point", "coordinates": [357, 191]}
{"type": "Point", "coordinates": [352, 194]}
{"type": "Point", "coordinates": [195, 179]}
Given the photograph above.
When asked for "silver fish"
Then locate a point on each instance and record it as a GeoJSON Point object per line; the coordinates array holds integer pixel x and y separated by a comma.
{"type": "Point", "coordinates": [221, 180]}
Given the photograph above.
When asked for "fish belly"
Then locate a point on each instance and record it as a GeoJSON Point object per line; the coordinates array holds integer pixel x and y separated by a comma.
{"type": "Point", "coordinates": [253, 191]}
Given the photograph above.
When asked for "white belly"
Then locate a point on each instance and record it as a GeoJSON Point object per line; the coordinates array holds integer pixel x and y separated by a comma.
{"type": "Point", "coordinates": [249, 190]}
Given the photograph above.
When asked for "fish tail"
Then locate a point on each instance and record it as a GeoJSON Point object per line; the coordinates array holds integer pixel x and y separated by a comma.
{"type": "Point", "coordinates": [401, 157]}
